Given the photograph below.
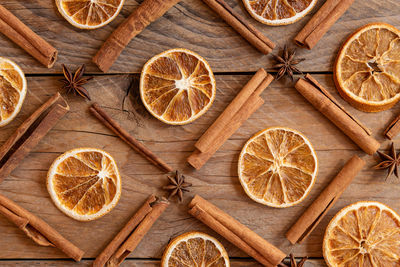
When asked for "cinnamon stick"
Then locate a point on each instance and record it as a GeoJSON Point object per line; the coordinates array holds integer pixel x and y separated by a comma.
{"type": "Point", "coordinates": [325, 201]}
{"type": "Point", "coordinates": [141, 17]}
{"type": "Point", "coordinates": [204, 143]}
{"type": "Point", "coordinates": [225, 127]}
{"type": "Point", "coordinates": [114, 126]}
{"type": "Point", "coordinates": [235, 232]}
{"type": "Point", "coordinates": [112, 247]}
{"type": "Point", "coordinates": [132, 233]}
{"type": "Point", "coordinates": [393, 129]}
{"type": "Point", "coordinates": [37, 229]}
{"type": "Point", "coordinates": [24, 37]}
{"type": "Point", "coordinates": [324, 102]}
{"type": "Point", "coordinates": [320, 23]}
{"type": "Point", "coordinates": [30, 132]}
{"type": "Point", "coordinates": [240, 25]}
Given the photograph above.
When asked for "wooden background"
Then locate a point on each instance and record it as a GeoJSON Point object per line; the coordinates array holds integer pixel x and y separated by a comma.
{"type": "Point", "coordinates": [190, 24]}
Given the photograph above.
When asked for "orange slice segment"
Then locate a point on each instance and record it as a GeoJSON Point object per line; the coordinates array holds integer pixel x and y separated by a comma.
{"type": "Point", "coordinates": [84, 183]}
{"type": "Point", "coordinates": [364, 234]}
{"type": "Point", "coordinates": [12, 90]}
{"type": "Point", "coordinates": [89, 14]}
{"type": "Point", "coordinates": [195, 249]}
{"type": "Point", "coordinates": [367, 69]}
{"type": "Point", "coordinates": [277, 167]}
{"type": "Point", "coordinates": [177, 86]}
{"type": "Point", "coordinates": [278, 12]}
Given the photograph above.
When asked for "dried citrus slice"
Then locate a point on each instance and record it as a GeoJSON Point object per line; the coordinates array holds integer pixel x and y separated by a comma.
{"type": "Point", "coordinates": [278, 12]}
{"type": "Point", "coordinates": [84, 183]}
{"type": "Point", "coordinates": [195, 249]}
{"type": "Point", "coordinates": [364, 234]}
{"type": "Point", "coordinates": [12, 90]}
{"type": "Point", "coordinates": [89, 14]}
{"type": "Point", "coordinates": [277, 167]}
{"type": "Point", "coordinates": [367, 70]}
{"type": "Point", "coordinates": [177, 86]}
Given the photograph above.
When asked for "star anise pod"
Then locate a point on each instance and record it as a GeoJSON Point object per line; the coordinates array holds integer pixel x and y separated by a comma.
{"type": "Point", "coordinates": [293, 262]}
{"type": "Point", "coordinates": [177, 186]}
{"type": "Point", "coordinates": [286, 63]}
{"type": "Point", "coordinates": [389, 161]}
{"type": "Point", "coordinates": [73, 83]}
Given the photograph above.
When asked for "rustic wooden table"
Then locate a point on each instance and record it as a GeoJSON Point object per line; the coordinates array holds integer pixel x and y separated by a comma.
{"type": "Point", "coordinates": [190, 24]}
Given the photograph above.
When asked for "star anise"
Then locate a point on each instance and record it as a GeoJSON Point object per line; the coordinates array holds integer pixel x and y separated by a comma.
{"type": "Point", "coordinates": [177, 185]}
{"type": "Point", "coordinates": [73, 83]}
{"type": "Point", "coordinates": [293, 262]}
{"type": "Point", "coordinates": [389, 161]}
{"type": "Point", "coordinates": [286, 63]}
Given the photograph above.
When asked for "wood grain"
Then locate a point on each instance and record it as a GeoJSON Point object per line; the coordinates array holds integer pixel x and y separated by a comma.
{"type": "Point", "coordinates": [136, 263]}
{"type": "Point", "coordinates": [283, 106]}
{"type": "Point", "coordinates": [190, 24]}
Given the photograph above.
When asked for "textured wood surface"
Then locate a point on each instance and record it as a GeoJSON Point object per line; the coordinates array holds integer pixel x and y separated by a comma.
{"type": "Point", "coordinates": [192, 25]}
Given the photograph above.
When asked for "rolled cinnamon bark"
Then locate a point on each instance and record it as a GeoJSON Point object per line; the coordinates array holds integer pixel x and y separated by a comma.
{"type": "Point", "coordinates": [320, 23]}
{"type": "Point", "coordinates": [30, 132]}
{"type": "Point", "coordinates": [230, 123]}
{"type": "Point", "coordinates": [325, 201]}
{"type": "Point", "coordinates": [23, 36]}
{"type": "Point", "coordinates": [37, 229]}
{"type": "Point", "coordinates": [235, 232]}
{"type": "Point", "coordinates": [324, 102]}
{"type": "Point", "coordinates": [134, 239]}
{"type": "Point", "coordinates": [393, 129]}
{"type": "Point", "coordinates": [204, 143]}
{"type": "Point", "coordinates": [127, 230]}
{"type": "Point", "coordinates": [239, 24]}
{"type": "Point", "coordinates": [141, 17]}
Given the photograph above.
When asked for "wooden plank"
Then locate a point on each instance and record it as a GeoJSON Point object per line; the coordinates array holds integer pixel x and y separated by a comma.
{"type": "Point", "coordinates": [190, 24]}
{"type": "Point", "coordinates": [284, 106]}
{"type": "Point", "coordinates": [135, 263]}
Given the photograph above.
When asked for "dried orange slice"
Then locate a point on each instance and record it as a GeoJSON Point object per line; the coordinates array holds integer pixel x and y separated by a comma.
{"type": "Point", "coordinates": [84, 183]}
{"type": "Point", "coordinates": [364, 234]}
{"type": "Point", "coordinates": [12, 90]}
{"type": "Point", "coordinates": [177, 86]}
{"type": "Point", "coordinates": [278, 12]}
{"type": "Point", "coordinates": [89, 14]}
{"type": "Point", "coordinates": [367, 70]}
{"type": "Point", "coordinates": [195, 249]}
{"type": "Point", "coordinates": [277, 167]}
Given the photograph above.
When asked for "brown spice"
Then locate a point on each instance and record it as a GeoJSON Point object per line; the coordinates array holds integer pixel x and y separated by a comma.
{"type": "Point", "coordinates": [74, 83]}
{"type": "Point", "coordinates": [313, 215]}
{"type": "Point", "coordinates": [320, 23]}
{"type": "Point", "coordinates": [239, 24]}
{"type": "Point", "coordinates": [132, 233]}
{"type": "Point", "coordinates": [37, 229]}
{"type": "Point", "coordinates": [393, 128]}
{"type": "Point", "coordinates": [23, 36]}
{"type": "Point", "coordinates": [286, 63]}
{"type": "Point", "coordinates": [177, 185]}
{"type": "Point", "coordinates": [30, 132]}
{"type": "Point", "coordinates": [389, 161]}
{"type": "Point", "coordinates": [110, 123]}
{"type": "Point", "coordinates": [141, 17]}
{"type": "Point", "coordinates": [294, 263]}
{"type": "Point", "coordinates": [235, 232]}
{"type": "Point", "coordinates": [324, 102]}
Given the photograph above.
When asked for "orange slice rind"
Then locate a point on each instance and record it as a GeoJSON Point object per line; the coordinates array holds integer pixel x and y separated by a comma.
{"type": "Point", "coordinates": [89, 14]}
{"type": "Point", "coordinates": [195, 249]}
{"type": "Point", "coordinates": [177, 86]}
{"type": "Point", "coordinates": [12, 90]}
{"type": "Point", "coordinates": [366, 233]}
{"type": "Point", "coordinates": [367, 69]}
{"type": "Point", "coordinates": [274, 13]}
{"type": "Point", "coordinates": [84, 183]}
{"type": "Point", "coordinates": [277, 167]}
